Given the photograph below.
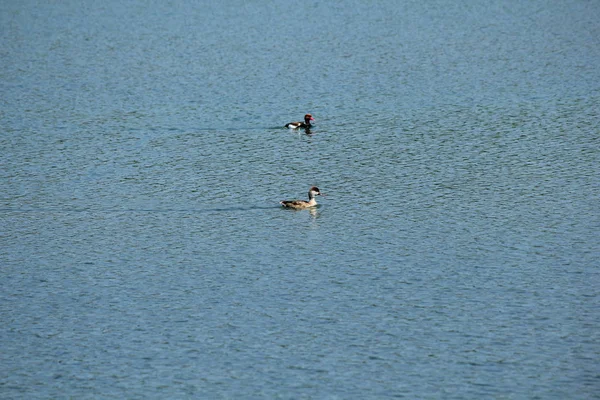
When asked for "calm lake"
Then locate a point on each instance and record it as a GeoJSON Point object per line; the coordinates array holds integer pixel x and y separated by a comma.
{"type": "Point", "coordinates": [143, 251]}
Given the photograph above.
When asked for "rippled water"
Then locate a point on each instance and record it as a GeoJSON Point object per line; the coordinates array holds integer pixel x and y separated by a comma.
{"type": "Point", "coordinates": [143, 251]}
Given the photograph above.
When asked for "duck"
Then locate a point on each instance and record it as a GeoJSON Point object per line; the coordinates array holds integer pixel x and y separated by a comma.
{"type": "Point", "coordinates": [306, 124]}
{"type": "Point", "coordinates": [301, 204]}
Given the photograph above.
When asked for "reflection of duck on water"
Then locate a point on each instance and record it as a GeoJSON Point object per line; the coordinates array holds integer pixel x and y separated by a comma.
{"type": "Point", "coordinates": [301, 204]}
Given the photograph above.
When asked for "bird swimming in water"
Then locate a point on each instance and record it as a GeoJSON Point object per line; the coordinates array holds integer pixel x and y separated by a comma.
{"type": "Point", "coordinates": [306, 124]}
{"type": "Point", "coordinates": [301, 204]}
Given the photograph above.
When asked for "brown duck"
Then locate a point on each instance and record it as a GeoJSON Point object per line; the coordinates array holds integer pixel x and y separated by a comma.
{"type": "Point", "coordinates": [300, 204]}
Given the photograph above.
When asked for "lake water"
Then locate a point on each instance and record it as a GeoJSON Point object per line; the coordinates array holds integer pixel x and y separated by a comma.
{"type": "Point", "coordinates": [144, 253]}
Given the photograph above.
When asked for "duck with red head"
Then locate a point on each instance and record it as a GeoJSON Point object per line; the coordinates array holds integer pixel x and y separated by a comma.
{"type": "Point", "coordinates": [301, 204]}
{"type": "Point", "coordinates": [306, 124]}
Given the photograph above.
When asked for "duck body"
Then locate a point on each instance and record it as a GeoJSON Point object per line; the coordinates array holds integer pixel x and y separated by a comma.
{"type": "Point", "coordinates": [302, 204]}
{"type": "Point", "coordinates": [296, 125]}
{"type": "Point", "coordinates": [306, 124]}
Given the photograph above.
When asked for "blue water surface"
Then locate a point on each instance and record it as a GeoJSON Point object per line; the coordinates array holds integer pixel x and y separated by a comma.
{"type": "Point", "coordinates": [144, 254]}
